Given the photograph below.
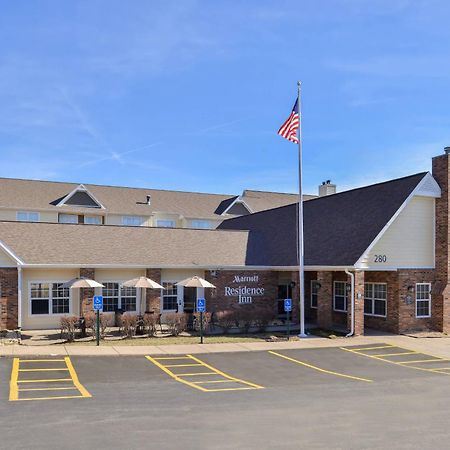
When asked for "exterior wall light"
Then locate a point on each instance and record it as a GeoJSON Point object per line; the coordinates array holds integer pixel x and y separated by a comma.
{"type": "Point", "coordinates": [292, 284]}
{"type": "Point", "coordinates": [410, 288]}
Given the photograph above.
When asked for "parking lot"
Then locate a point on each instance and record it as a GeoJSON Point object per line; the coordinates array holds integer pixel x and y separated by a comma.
{"type": "Point", "coordinates": [373, 396]}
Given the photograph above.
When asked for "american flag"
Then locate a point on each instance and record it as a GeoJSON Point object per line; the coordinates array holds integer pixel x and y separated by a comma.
{"type": "Point", "coordinates": [289, 128]}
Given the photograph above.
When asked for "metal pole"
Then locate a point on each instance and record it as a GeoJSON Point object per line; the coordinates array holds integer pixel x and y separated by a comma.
{"type": "Point", "coordinates": [288, 324]}
{"type": "Point", "coordinates": [98, 327]}
{"type": "Point", "coordinates": [301, 278]}
{"type": "Point", "coordinates": [201, 328]}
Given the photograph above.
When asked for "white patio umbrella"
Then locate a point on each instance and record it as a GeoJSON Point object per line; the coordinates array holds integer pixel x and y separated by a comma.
{"type": "Point", "coordinates": [80, 283]}
{"type": "Point", "coordinates": [142, 283]}
{"type": "Point", "coordinates": [196, 282]}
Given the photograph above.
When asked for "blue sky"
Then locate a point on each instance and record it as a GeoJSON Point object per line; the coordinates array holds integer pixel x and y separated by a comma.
{"type": "Point", "coordinates": [188, 95]}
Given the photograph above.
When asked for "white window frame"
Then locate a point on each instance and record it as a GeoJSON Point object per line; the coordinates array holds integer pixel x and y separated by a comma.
{"type": "Point", "coordinates": [99, 218]}
{"type": "Point", "coordinates": [28, 213]}
{"type": "Point", "coordinates": [132, 221]}
{"type": "Point", "coordinates": [50, 298]}
{"type": "Point", "coordinates": [201, 224]}
{"type": "Point", "coordinates": [119, 295]}
{"type": "Point", "coordinates": [428, 300]}
{"type": "Point", "coordinates": [311, 296]}
{"type": "Point", "coordinates": [163, 291]}
{"type": "Point", "coordinates": [345, 296]}
{"type": "Point", "coordinates": [373, 298]}
{"type": "Point", "coordinates": [166, 223]}
{"type": "Point", "coordinates": [67, 215]}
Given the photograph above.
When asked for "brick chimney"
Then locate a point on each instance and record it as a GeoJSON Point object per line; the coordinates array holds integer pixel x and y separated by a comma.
{"type": "Point", "coordinates": [441, 291]}
{"type": "Point", "coordinates": [327, 188]}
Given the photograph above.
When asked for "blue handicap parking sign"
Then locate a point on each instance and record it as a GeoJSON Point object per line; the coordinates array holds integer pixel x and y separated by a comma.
{"type": "Point", "coordinates": [288, 305]}
{"type": "Point", "coordinates": [98, 302]}
{"type": "Point", "coordinates": [201, 305]}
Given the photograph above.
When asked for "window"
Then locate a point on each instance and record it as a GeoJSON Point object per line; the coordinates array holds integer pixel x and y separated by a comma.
{"type": "Point", "coordinates": [340, 296]}
{"type": "Point", "coordinates": [60, 299]}
{"type": "Point", "coordinates": [132, 221]}
{"type": "Point", "coordinates": [68, 218]}
{"type": "Point", "coordinates": [116, 297]}
{"type": "Point", "coordinates": [205, 224]}
{"type": "Point", "coordinates": [169, 296]}
{"type": "Point", "coordinates": [423, 300]}
{"type": "Point", "coordinates": [93, 220]}
{"type": "Point", "coordinates": [375, 299]}
{"type": "Point", "coordinates": [49, 298]}
{"type": "Point", "coordinates": [314, 293]}
{"type": "Point", "coordinates": [166, 223]}
{"type": "Point", "coordinates": [27, 216]}
{"type": "Point", "coordinates": [128, 298]}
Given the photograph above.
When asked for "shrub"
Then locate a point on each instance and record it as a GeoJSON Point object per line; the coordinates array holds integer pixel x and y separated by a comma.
{"type": "Point", "coordinates": [263, 317]}
{"type": "Point", "coordinates": [91, 323]}
{"type": "Point", "coordinates": [206, 320]}
{"type": "Point", "coordinates": [128, 323]}
{"type": "Point", "coordinates": [150, 322]}
{"type": "Point", "coordinates": [226, 319]}
{"type": "Point", "coordinates": [245, 318]}
{"type": "Point", "coordinates": [175, 322]}
{"type": "Point", "coordinates": [69, 326]}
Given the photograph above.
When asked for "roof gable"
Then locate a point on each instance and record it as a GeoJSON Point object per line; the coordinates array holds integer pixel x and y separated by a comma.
{"type": "Point", "coordinates": [80, 196]}
{"type": "Point", "coordinates": [338, 228]}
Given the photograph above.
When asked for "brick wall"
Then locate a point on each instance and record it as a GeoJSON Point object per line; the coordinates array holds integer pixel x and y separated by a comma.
{"type": "Point", "coordinates": [216, 300]}
{"type": "Point", "coordinates": [153, 296]}
{"type": "Point", "coordinates": [441, 290]}
{"type": "Point", "coordinates": [8, 299]}
{"type": "Point", "coordinates": [86, 294]}
{"type": "Point", "coordinates": [325, 300]}
{"type": "Point", "coordinates": [310, 313]}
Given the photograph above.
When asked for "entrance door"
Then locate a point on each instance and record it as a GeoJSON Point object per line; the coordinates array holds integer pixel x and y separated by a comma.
{"type": "Point", "coordinates": [189, 298]}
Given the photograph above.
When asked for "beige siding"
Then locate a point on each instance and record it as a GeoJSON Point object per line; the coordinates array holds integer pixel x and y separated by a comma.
{"type": "Point", "coordinates": [50, 321]}
{"type": "Point", "coordinates": [409, 241]}
{"type": "Point", "coordinates": [6, 260]}
{"type": "Point", "coordinates": [44, 216]}
{"type": "Point", "coordinates": [116, 219]}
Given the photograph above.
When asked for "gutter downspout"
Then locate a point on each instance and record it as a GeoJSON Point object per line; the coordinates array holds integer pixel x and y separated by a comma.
{"type": "Point", "coordinates": [352, 295]}
{"type": "Point", "coordinates": [19, 297]}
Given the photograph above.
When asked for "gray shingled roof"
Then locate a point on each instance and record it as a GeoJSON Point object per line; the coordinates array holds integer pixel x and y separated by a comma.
{"type": "Point", "coordinates": [90, 245]}
{"type": "Point", "coordinates": [44, 195]}
{"type": "Point", "coordinates": [337, 228]}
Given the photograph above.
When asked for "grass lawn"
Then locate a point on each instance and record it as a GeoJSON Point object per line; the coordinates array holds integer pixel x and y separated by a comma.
{"type": "Point", "coordinates": [170, 340]}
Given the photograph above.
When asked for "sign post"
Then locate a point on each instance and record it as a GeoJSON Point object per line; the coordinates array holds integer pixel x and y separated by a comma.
{"type": "Point", "coordinates": [98, 306]}
{"type": "Point", "coordinates": [288, 309]}
{"type": "Point", "coordinates": [201, 308]}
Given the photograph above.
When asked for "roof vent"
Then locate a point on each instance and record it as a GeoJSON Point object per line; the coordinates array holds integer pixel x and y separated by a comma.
{"type": "Point", "coordinates": [149, 200]}
{"type": "Point", "coordinates": [327, 188]}
{"type": "Point", "coordinates": [447, 150]}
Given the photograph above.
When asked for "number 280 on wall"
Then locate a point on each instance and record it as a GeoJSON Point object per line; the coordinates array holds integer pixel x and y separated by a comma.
{"type": "Point", "coordinates": [380, 258]}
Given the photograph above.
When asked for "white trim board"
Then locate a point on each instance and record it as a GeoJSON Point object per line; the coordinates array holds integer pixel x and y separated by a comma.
{"type": "Point", "coordinates": [80, 188]}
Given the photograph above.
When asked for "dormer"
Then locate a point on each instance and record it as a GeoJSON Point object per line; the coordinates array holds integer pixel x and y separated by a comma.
{"type": "Point", "coordinates": [80, 197]}
{"type": "Point", "coordinates": [237, 208]}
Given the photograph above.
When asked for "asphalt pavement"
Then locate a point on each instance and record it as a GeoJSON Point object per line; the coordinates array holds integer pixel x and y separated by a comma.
{"type": "Point", "coordinates": [282, 399]}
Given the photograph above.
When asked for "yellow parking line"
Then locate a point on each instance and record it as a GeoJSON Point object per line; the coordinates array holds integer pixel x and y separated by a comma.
{"type": "Point", "coordinates": [319, 369]}
{"type": "Point", "coordinates": [44, 381]}
{"type": "Point", "coordinates": [231, 389]}
{"type": "Point", "coordinates": [370, 348]}
{"type": "Point", "coordinates": [421, 361]}
{"type": "Point", "coordinates": [396, 354]}
{"type": "Point", "coordinates": [170, 357]}
{"type": "Point", "coordinates": [13, 387]}
{"type": "Point", "coordinates": [15, 381]}
{"type": "Point", "coordinates": [49, 398]}
{"type": "Point", "coordinates": [40, 360]}
{"type": "Point", "coordinates": [181, 365]}
{"type": "Point", "coordinates": [48, 389]}
{"type": "Point", "coordinates": [194, 374]}
{"type": "Point", "coordinates": [83, 391]}
{"type": "Point", "coordinates": [194, 384]}
{"type": "Point", "coordinates": [213, 381]}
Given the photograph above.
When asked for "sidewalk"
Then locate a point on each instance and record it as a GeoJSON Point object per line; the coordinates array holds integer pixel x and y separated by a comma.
{"type": "Point", "coordinates": [439, 347]}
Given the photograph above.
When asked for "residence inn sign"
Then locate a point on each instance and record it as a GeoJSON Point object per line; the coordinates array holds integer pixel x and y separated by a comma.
{"type": "Point", "coordinates": [242, 291]}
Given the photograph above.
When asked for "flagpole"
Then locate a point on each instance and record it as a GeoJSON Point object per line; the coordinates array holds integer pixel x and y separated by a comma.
{"type": "Point", "coordinates": [301, 278]}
